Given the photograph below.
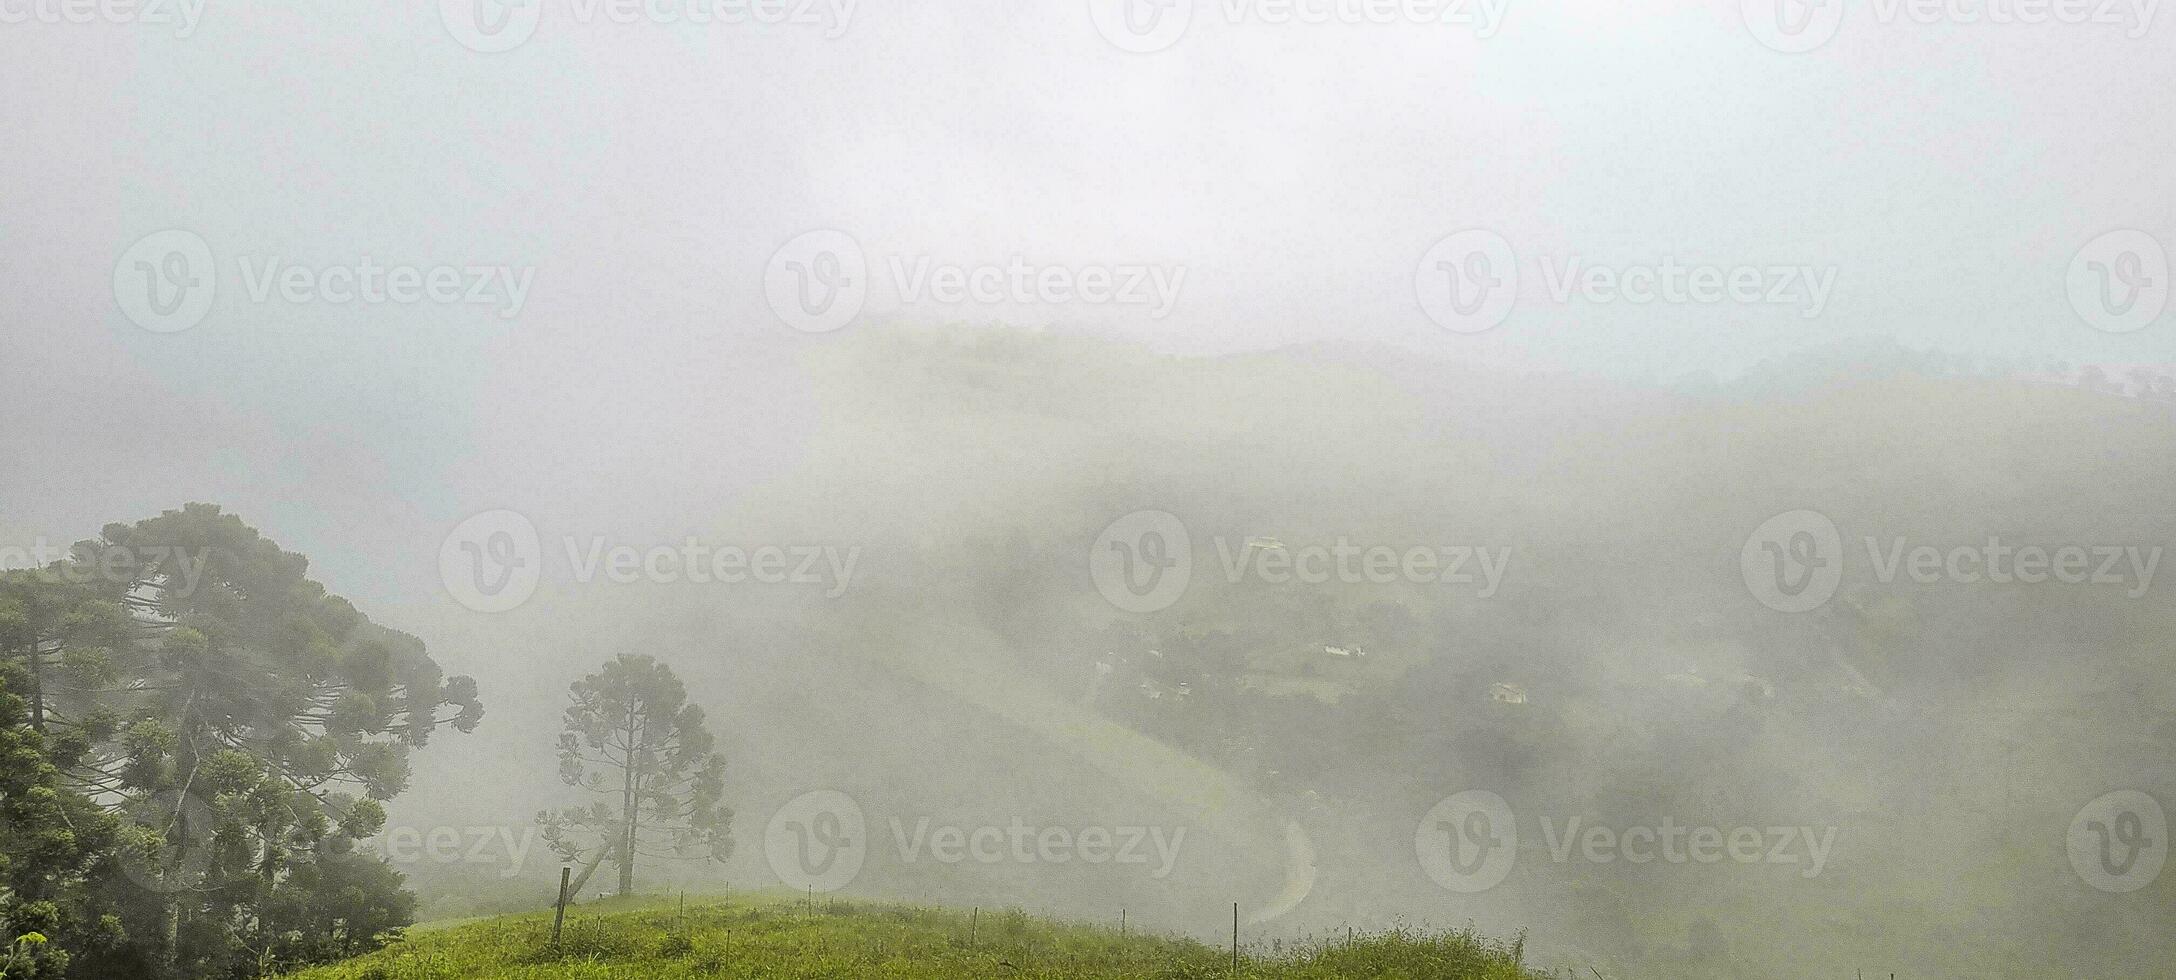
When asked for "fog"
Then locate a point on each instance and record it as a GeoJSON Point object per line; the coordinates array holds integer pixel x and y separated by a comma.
{"type": "Point", "coordinates": [1003, 422]}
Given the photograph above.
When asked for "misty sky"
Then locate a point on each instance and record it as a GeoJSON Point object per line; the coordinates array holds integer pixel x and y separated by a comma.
{"type": "Point", "coordinates": [646, 173]}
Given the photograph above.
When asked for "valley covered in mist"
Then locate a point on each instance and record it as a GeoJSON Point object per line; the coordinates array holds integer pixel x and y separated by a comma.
{"type": "Point", "coordinates": [1235, 489]}
{"type": "Point", "coordinates": [1585, 638]}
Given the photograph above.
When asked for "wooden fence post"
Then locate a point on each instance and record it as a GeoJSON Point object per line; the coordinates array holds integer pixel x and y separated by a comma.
{"type": "Point", "coordinates": [559, 918]}
{"type": "Point", "coordinates": [1235, 939]}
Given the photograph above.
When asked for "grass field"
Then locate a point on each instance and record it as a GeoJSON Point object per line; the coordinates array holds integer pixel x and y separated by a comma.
{"type": "Point", "coordinates": [774, 937]}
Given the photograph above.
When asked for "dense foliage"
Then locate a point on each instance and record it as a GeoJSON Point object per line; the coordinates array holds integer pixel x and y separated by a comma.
{"type": "Point", "coordinates": [195, 736]}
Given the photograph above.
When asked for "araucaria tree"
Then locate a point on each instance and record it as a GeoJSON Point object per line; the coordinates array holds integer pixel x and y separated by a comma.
{"type": "Point", "coordinates": [632, 736]}
{"type": "Point", "coordinates": [195, 735]}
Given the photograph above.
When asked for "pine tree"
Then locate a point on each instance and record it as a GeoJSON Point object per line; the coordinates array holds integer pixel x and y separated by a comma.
{"type": "Point", "coordinates": [232, 724]}
{"type": "Point", "coordinates": [631, 734]}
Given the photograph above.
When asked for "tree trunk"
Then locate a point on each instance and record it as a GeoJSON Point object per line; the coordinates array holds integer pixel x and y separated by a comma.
{"type": "Point", "coordinates": [574, 891]}
{"type": "Point", "coordinates": [627, 808]}
{"type": "Point", "coordinates": [37, 684]}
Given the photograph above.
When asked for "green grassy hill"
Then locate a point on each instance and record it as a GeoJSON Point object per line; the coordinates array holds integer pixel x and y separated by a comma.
{"type": "Point", "coordinates": [781, 938]}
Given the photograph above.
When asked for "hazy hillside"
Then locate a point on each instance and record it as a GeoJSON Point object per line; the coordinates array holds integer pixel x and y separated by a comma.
{"type": "Point", "coordinates": [773, 938]}
{"type": "Point", "coordinates": [1938, 733]}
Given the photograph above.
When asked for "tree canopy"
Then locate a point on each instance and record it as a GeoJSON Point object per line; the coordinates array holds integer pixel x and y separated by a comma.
{"type": "Point", "coordinates": [196, 734]}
